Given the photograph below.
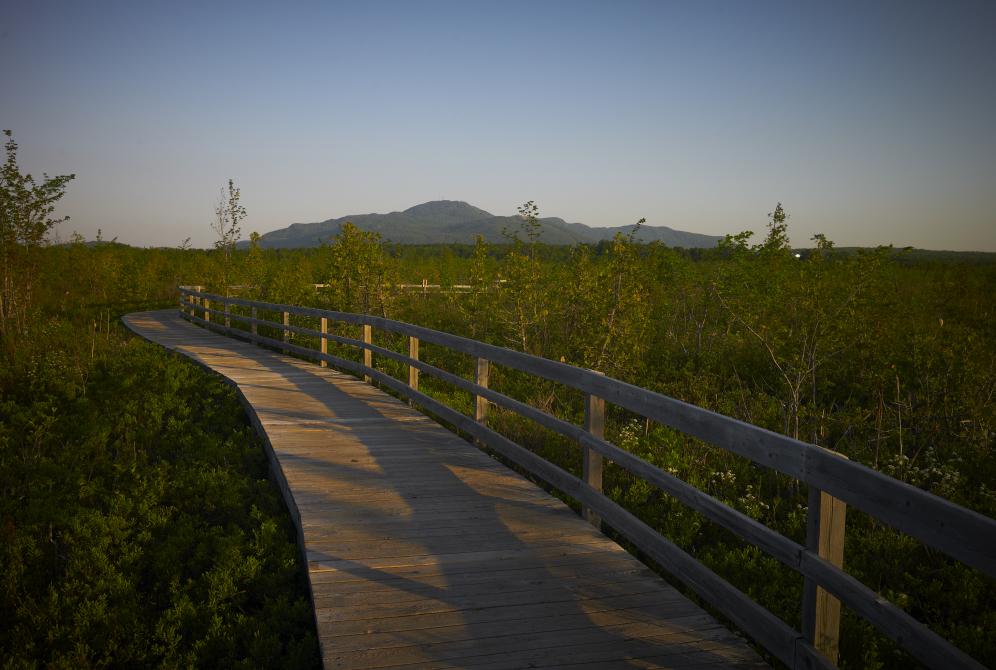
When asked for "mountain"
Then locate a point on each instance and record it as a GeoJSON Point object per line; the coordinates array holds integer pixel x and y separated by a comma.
{"type": "Point", "coordinates": [449, 221]}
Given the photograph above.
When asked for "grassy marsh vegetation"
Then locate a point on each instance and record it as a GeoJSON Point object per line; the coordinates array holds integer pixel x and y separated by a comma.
{"type": "Point", "coordinates": [138, 528]}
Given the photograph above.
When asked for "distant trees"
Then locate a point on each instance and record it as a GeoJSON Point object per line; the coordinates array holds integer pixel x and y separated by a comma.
{"type": "Point", "coordinates": [26, 209]}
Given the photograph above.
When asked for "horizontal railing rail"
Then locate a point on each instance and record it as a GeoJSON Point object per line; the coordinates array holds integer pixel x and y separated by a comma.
{"type": "Point", "coordinates": [833, 480]}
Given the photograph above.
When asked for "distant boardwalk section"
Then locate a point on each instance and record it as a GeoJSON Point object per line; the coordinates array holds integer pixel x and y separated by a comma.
{"type": "Point", "coordinates": [424, 552]}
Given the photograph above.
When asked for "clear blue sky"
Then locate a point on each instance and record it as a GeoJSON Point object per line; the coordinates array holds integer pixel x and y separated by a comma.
{"type": "Point", "coordinates": [873, 122]}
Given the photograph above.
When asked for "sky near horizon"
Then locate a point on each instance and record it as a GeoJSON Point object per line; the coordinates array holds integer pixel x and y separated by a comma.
{"type": "Point", "coordinates": [872, 122]}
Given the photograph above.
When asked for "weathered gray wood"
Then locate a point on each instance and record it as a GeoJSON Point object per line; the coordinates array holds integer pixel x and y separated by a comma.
{"type": "Point", "coordinates": [961, 533]}
{"type": "Point", "coordinates": [286, 330]}
{"type": "Point", "coordinates": [396, 552]}
{"type": "Point", "coordinates": [482, 373]}
{"type": "Point", "coordinates": [323, 339]}
{"type": "Point", "coordinates": [787, 645]}
{"type": "Point", "coordinates": [825, 537]}
{"type": "Point", "coordinates": [591, 460]}
{"type": "Point", "coordinates": [881, 492]}
{"type": "Point", "coordinates": [773, 634]}
{"type": "Point", "coordinates": [412, 370]}
{"type": "Point", "coordinates": [367, 352]}
{"type": "Point", "coordinates": [924, 644]}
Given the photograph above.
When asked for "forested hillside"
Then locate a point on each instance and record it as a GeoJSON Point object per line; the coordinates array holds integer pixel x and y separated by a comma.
{"type": "Point", "coordinates": [138, 527]}
{"type": "Point", "coordinates": [456, 222]}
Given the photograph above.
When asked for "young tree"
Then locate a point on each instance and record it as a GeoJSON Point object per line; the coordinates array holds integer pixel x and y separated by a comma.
{"type": "Point", "coordinates": [476, 308]}
{"type": "Point", "coordinates": [522, 296]}
{"type": "Point", "coordinates": [606, 315]}
{"type": "Point", "coordinates": [255, 269]}
{"type": "Point", "coordinates": [229, 214]}
{"type": "Point", "coordinates": [777, 240]}
{"type": "Point", "coordinates": [26, 209]}
{"type": "Point", "coordinates": [361, 276]}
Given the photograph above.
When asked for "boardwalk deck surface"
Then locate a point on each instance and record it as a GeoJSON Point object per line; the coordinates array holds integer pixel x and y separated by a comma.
{"type": "Point", "coordinates": [423, 552]}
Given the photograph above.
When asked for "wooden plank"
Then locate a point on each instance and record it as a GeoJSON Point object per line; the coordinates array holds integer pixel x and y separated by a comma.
{"type": "Point", "coordinates": [483, 372]}
{"type": "Point", "coordinates": [367, 353]}
{"type": "Point", "coordinates": [606, 638]}
{"type": "Point", "coordinates": [825, 537]}
{"type": "Point", "coordinates": [324, 348]}
{"type": "Point", "coordinates": [591, 461]}
{"type": "Point", "coordinates": [509, 630]}
{"type": "Point", "coordinates": [286, 330]}
{"type": "Point", "coordinates": [412, 370]}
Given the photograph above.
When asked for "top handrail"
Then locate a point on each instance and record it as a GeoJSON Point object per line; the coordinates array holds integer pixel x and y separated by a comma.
{"type": "Point", "coordinates": [961, 533]}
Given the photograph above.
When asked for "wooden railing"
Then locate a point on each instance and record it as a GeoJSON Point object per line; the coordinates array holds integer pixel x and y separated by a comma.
{"type": "Point", "coordinates": [833, 481]}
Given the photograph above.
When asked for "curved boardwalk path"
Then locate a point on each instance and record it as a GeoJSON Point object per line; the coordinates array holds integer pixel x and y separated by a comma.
{"type": "Point", "coordinates": [423, 552]}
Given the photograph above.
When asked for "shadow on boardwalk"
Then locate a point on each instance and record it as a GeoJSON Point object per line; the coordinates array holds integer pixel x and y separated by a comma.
{"type": "Point", "coordinates": [423, 552]}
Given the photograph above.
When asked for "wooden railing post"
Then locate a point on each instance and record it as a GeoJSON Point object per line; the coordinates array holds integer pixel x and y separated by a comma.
{"type": "Point", "coordinates": [480, 402]}
{"type": "Point", "coordinates": [367, 354]}
{"type": "Point", "coordinates": [324, 344]}
{"type": "Point", "coordinates": [591, 464]}
{"type": "Point", "coordinates": [207, 306]}
{"type": "Point", "coordinates": [254, 328]}
{"type": "Point", "coordinates": [412, 370]}
{"type": "Point", "coordinates": [228, 318]}
{"type": "Point", "coordinates": [825, 536]}
{"type": "Point", "coordinates": [286, 330]}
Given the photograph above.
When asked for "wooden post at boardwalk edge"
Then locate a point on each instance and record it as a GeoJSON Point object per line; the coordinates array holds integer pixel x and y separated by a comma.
{"type": "Point", "coordinates": [367, 354]}
{"type": "Point", "coordinates": [591, 464]}
{"type": "Point", "coordinates": [228, 319]}
{"type": "Point", "coordinates": [286, 330]}
{"type": "Point", "coordinates": [196, 300]}
{"type": "Point", "coordinates": [481, 403]}
{"type": "Point", "coordinates": [825, 536]}
{"type": "Point", "coordinates": [254, 329]}
{"type": "Point", "coordinates": [207, 306]}
{"type": "Point", "coordinates": [412, 370]}
{"type": "Point", "coordinates": [481, 379]}
{"type": "Point", "coordinates": [324, 344]}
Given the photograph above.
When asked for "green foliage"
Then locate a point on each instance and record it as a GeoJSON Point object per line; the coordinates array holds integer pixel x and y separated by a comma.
{"type": "Point", "coordinates": [26, 209]}
{"type": "Point", "coordinates": [359, 274]}
{"type": "Point", "coordinates": [885, 356]}
{"type": "Point", "coordinates": [137, 524]}
{"type": "Point", "coordinates": [521, 293]}
{"type": "Point", "coordinates": [229, 214]}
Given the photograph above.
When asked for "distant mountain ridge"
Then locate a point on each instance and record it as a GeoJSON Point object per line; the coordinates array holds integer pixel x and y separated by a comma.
{"type": "Point", "coordinates": [455, 221]}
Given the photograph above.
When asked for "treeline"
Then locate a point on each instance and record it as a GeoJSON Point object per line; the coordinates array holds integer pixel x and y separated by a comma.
{"type": "Point", "coordinates": [888, 360]}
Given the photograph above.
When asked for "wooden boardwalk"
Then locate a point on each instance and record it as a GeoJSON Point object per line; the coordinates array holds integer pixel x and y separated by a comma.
{"type": "Point", "coordinates": [423, 552]}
